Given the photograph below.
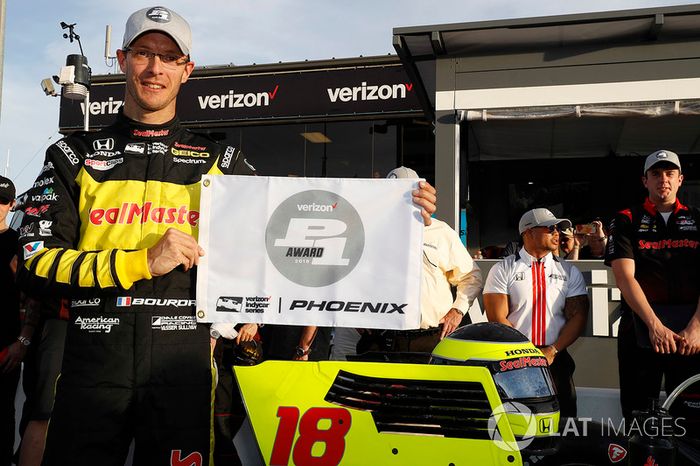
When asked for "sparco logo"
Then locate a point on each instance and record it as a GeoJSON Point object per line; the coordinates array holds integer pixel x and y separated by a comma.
{"type": "Point", "coordinates": [97, 324]}
{"type": "Point", "coordinates": [315, 247]}
{"type": "Point", "coordinates": [228, 155]}
{"type": "Point", "coordinates": [72, 158]}
{"type": "Point", "coordinates": [130, 212]}
{"type": "Point", "coordinates": [237, 100]}
{"type": "Point", "coordinates": [371, 92]}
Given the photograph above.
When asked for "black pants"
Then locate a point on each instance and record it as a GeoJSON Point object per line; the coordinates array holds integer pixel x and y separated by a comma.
{"type": "Point", "coordinates": [562, 370]}
{"type": "Point", "coordinates": [140, 379]}
{"type": "Point", "coordinates": [641, 370]}
{"type": "Point", "coordinates": [8, 389]}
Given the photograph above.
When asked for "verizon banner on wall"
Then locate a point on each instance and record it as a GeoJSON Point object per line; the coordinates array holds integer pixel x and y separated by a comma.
{"type": "Point", "coordinates": [310, 251]}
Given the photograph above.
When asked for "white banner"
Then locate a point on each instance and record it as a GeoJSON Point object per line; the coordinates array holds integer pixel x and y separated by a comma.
{"type": "Point", "coordinates": [310, 251]}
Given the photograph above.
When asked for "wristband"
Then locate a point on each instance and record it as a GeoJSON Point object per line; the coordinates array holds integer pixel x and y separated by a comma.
{"type": "Point", "coordinates": [24, 340]}
{"type": "Point", "coordinates": [555, 349]}
{"type": "Point", "coordinates": [301, 352]}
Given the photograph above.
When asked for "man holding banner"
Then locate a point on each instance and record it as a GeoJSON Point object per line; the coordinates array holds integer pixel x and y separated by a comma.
{"type": "Point", "coordinates": [113, 221]}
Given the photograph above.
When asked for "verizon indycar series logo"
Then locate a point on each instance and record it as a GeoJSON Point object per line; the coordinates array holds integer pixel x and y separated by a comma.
{"type": "Point", "coordinates": [98, 324]}
{"type": "Point", "coordinates": [315, 238]}
{"type": "Point", "coordinates": [249, 304]}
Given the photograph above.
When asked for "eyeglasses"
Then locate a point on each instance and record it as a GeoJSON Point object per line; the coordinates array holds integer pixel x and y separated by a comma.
{"type": "Point", "coordinates": [143, 56]}
{"type": "Point", "coordinates": [551, 228]}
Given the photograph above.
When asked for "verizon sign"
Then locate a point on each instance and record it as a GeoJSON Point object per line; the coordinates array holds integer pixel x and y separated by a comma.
{"type": "Point", "coordinates": [372, 90]}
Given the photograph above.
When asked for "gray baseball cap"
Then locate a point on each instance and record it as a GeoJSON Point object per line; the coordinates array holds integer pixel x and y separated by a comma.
{"type": "Point", "coordinates": [402, 172]}
{"type": "Point", "coordinates": [540, 218]}
{"type": "Point", "coordinates": [661, 156]}
{"type": "Point", "coordinates": [160, 19]}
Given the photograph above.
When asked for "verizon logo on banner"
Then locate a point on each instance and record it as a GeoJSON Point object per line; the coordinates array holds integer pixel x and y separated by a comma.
{"type": "Point", "coordinates": [313, 251]}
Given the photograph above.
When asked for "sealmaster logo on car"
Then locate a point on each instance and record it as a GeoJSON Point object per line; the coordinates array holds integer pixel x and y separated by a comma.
{"type": "Point", "coordinates": [130, 212]}
{"type": "Point", "coordinates": [315, 238]}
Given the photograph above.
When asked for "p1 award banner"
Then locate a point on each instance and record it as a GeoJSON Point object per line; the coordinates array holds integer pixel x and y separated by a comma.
{"type": "Point", "coordinates": [310, 251]}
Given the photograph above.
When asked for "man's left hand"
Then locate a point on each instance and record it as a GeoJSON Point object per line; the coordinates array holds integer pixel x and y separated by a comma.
{"type": "Point", "coordinates": [247, 333]}
{"type": "Point", "coordinates": [450, 322]}
{"type": "Point", "coordinates": [15, 354]}
{"type": "Point", "coordinates": [690, 344]}
{"type": "Point", "coordinates": [425, 198]}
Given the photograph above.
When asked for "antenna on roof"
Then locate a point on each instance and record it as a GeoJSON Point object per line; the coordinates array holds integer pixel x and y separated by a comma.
{"type": "Point", "coordinates": [110, 60]}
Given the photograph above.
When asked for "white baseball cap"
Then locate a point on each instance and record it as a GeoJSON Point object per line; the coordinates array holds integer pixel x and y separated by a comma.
{"type": "Point", "coordinates": [161, 19]}
{"type": "Point", "coordinates": [661, 156]}
{"type": "Point", "coordinates": [540, 218]}
{"type": "Point", "coordinates": [402, 172]}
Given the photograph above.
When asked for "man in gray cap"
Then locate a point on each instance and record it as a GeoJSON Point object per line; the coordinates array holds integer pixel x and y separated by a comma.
{"type": "Point", "coordinates": [120, 210]}
{"type": "Point", "coordinates": [654, 252]}
{"type": "Point", "coordinates": [112, 221]}
{"type": "Point", "coordinates": [542, 296]}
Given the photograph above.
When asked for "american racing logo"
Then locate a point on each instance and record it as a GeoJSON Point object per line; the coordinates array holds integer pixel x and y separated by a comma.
{"type": "Point", "coordinates": [169, 323]}
{"type": "Point", "coordinates": [103, 165]}
{"type": "Point", "coordinates": [150, 133]}
{"type": "Point", "coordinates": [668, 244]}
{"type": "Point", "coordinates": [130, 212]}
{"type": "Point", "coordinates": [85, 302]}
{"type": "Point", "coordinates": [46, 196]}
{"type": "Point", "coordinates": [520, 363]}
{"type": "Point", "coordinates": [237, 100]}
{"type": "Point", "coordinates": [315, 238]}
{"type": "Point", "coordinates": [347, 306]}
{"type": "Point", "coordinates": [128, 301]}
{"type": "Point", "coordinates": [97, 324]}
{"type": "Point", "coordinates": [70, 155]}
{"type": "Point", "coordinates": [371, 92]}
{"type": "Point", "coordinates": [108, 107]}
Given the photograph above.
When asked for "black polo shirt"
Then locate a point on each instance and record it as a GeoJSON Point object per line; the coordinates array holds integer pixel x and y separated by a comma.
{"type": "Point", "coordinates": [666, 255]}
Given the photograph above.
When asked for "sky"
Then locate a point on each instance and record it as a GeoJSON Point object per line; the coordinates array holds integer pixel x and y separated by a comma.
{"type": "Point", "coordinates": [224, 31]}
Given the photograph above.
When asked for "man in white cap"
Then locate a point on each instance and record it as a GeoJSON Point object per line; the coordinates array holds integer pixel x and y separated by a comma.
{"type": "Point", "coordinates": [120, 213]}
{"type": "Point", "coordinates": [542, 296]}
{"type": "Point", "coordinates": [446, 264]}
{"type": "Point", "coordinates": [654, 252]}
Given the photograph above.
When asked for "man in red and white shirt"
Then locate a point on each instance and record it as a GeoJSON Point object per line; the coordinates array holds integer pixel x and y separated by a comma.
{"type": "Point", "coordinates": [542, 296]}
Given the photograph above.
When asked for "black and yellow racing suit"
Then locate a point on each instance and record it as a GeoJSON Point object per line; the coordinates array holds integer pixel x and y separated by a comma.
{"type": "Point", "coordinates": [136, 365]}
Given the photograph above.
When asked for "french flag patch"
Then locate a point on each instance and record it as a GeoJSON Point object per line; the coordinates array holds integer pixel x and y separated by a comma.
{"type": "Point", "coordinates": [124, 301]}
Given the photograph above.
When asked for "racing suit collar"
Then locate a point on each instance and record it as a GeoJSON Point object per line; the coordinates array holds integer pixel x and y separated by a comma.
{"type": "Point", "coordinates": [651, 208]}
{"type": "Point", "coordinates": [141, 131]}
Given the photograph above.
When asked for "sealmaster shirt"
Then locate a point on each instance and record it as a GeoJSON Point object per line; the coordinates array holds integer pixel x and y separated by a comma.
{"type": "Point", "coordinates": [537, 292]}
{"type": "Point", "coordinates": [665, 254]}
{"type": "Point", "coordinates": [446, 262]}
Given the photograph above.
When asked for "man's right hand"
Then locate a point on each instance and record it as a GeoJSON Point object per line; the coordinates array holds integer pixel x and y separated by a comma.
{"type": "Point", "coordinates": [663, 339]}
{"type": "Point", "coordinates": [173, 249]}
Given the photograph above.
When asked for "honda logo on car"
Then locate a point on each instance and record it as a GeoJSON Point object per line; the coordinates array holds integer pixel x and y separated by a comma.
{"type": "Point", "coordinates": [130, 212]}
{"type": "Point", "coordinates": [315, 238]}
{"type": "Point", "coordinates": [371, 92]}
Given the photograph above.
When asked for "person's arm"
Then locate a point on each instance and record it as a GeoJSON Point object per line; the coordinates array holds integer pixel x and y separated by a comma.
{"type": "Point", "coordinates": [306, 339]}
{"type": "Point", "coordinates": [496, 305]}
{"type": "Point", "coordinates": [597, 240]}
{"type": "Point", "coordinates": [576, 314]}
{"type": "Point", "coordinates": [663, 339]}
{"type": "Point", "coordinates": [466, 276]}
